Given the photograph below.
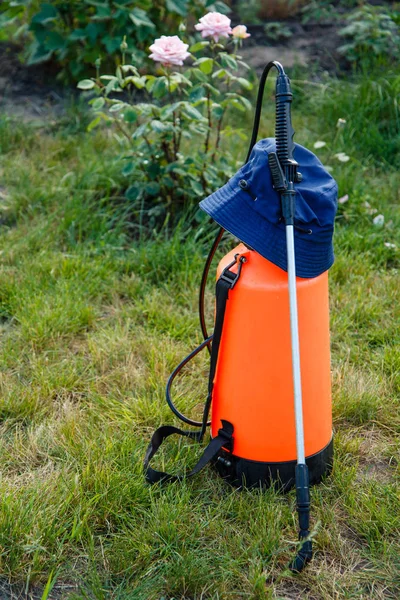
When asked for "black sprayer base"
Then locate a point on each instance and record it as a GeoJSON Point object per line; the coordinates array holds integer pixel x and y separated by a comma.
{"type": "Point", "coordinates": [241, 472]}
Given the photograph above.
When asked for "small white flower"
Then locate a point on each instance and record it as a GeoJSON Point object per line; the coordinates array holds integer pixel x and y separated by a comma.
{"type": "Point", "coordinates": [341, 123]}
{"type": "Point", "coordinates": [370, 210]}
{"type": "Point", "coordinates": [390, 245]}
{"type": "Point", "coordinates": [319, 144]}
{"type": "Point", "coordinates": [342, 156]}
{"type": "Point", "coordinates": [343, 199]}
{"type": "Point", "coordinates": [378, 220]}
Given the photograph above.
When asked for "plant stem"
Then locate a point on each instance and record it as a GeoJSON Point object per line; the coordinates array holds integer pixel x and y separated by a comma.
{"type": "Point", "coordinates": [218, 140]}
{"type": "Point", "coordinates": [174, 136]}
{"type": "Point", "coordinates": [123, 130]}
{"type": "Point", "coordinates": [207, 142]}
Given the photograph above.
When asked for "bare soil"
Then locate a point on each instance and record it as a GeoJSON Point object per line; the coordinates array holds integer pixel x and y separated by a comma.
{"type": "Point", "coordinates": [11, 591]}
{"type": "Point", "coordinates": [32, 92]}
{"type": "Point", "coordinates": [28, 92]}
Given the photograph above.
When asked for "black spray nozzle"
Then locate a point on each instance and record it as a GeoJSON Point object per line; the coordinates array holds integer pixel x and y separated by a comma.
{"type": "Point", "coordinates": [304, 554]}
{"type": "Point", "coordinates": [257, 115]}
{"type": "Point", "coordinates": [284, 131]}
{"type": "Point", "coordinates": [283, 86]}
{"type": "Point", "coordinates": [283, 128]}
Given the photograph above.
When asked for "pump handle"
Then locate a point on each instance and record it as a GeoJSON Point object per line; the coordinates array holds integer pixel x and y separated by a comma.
{"type": "Point", "coordinates": [284, 131]}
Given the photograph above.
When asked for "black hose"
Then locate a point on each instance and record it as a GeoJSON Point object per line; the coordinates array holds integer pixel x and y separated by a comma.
{"type": "Point", "coordinates": [203, 284]}
{"type": "Point", "coordinates": [208, 339]}
{"type": "Point", "coordinates": [171, 379]}
{"type": "Point", "coordinates": [221, 231]}
{"type": "Point", "coordinates": [257, 113]}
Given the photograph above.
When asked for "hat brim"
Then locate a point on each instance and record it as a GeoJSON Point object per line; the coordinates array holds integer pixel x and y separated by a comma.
{"type": "Point", "coordinates": [230, 208]}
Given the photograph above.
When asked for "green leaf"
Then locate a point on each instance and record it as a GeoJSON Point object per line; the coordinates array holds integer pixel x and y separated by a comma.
{"type": "Point", "coordinates": [217, 111]}
{"type": "Point", "coordinates": [134, 192]}
{"type": "Point", "coordinates": [112, 86]}
{"type": "Point", "coordinates": [199, 75]}
{"type": "Point", "coordinates": [205, 65]}
{"type": "Point", "coordinates": [47, 13]}
{"type": "Point", "coordinates": [167, 111]}
{"type": "Point", "coordinates": [197, 187]}
{"type": "Point", "coordinates": [159, 89]}
{"type": "Point", "coordinates": [178, 6]}
{"type": "Point", "coordinates": [140, 131]}
{"type": "Point", "coordinates": [97, 103]}
{"type": "Point", "coordinates": [159, 126]}
{"type": "Point", "coordinates": [218, 6]}
{"type": "Point", "coordinates": [129, 69]}
{"type": "Point", "coordinates": [245, 83]}
{"type": "Point", "coordinates": [38, 54]}
{"type": "Point", "coordinates": [152, 188]}
{"type": "Point", "coordinates": [130, 116]}
{"type": "Point", "coordinates": [93, 123]}
{"type": "Point", "coordinates": [138, 82]}
{"type": "Point", "coordinates": [153, 170]}
{"type": "Point", "coordinates": [151, 79]}
{"type": "Point", "coordinates": [197, 93]}
{"type": "Point", "coordinates": [55, 41]}
{"type": "Point", "coordinates": [244, 65]}
{"type": "Point", "coordinates": [219, 74]}
{"type": "Point", "coordinates": [198, 46]}
{"type": "Point", "coordinates": [237, 104]}
{"type": "Point", "coordinates": [111, 43]}
{"type": "Point", "coordinates": [86, 84]}
{"type": "Point", "coordinates": [128, 169]}
{"type": "Point", "coordinates": [212, 89]}
{"type": "Point", "coordinates": [228, 61]}
{"type": "Point", "coordinates": [116, 107]}
{"type": "Point", "coordinates": [78, 34]}
{"type": "Point", "coordinates": [246, 103]}
{"type": "Point", "coordinates": [94, 31]}
{"type": "Point", "coordinates": [180, 78]}
{"type": "Point", "coordinates": [193, 113]}
{"type": "Point", "coordinates": [140, 19]}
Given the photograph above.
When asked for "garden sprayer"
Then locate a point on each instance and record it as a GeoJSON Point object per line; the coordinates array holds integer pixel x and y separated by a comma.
{"type": "Point", "coordinates": [271, 421]}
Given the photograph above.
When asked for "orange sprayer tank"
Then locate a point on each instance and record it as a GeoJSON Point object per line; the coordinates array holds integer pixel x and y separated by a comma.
{"type": "Point", "coordinates": [253, 385]}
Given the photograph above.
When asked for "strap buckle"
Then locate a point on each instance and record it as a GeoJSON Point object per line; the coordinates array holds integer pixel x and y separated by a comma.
{"type": "Point", "coordinates": [230, 277]}
{"type": "Point", "coordinates": [226, 433]}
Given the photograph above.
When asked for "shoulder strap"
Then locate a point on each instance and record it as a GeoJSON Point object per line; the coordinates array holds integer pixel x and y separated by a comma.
{"type": "Point", "coordinates": [224, 438]}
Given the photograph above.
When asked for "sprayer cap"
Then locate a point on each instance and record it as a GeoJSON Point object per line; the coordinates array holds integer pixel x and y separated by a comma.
{"type": "Point", "coordinates": [249, 207]}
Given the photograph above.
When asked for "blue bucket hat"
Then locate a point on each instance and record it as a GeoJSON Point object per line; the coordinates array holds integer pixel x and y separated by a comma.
{"type": "Point", "coordinates": [249, 208]}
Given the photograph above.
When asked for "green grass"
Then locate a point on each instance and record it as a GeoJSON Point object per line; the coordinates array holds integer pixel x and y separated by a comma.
{"type": "Point", "coordinates": [96, 311]}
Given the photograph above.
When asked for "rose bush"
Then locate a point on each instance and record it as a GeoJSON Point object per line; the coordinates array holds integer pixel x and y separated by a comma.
{"type": "Point", "coordinates": [170, 125]}
{"type": "Point", "coordinates": [74, 34]}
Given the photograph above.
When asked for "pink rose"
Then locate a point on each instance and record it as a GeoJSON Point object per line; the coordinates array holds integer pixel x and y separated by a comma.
{"type": "Point", "coordinates": [240, 32]}
{"type": "Point", "coordinates": [169, 50]}
{"type": "Point", "coordinates": [215, 25]}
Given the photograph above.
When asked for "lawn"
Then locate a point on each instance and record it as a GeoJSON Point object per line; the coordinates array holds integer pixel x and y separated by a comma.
{"type": "Point", "coordinates": [95, 313]}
